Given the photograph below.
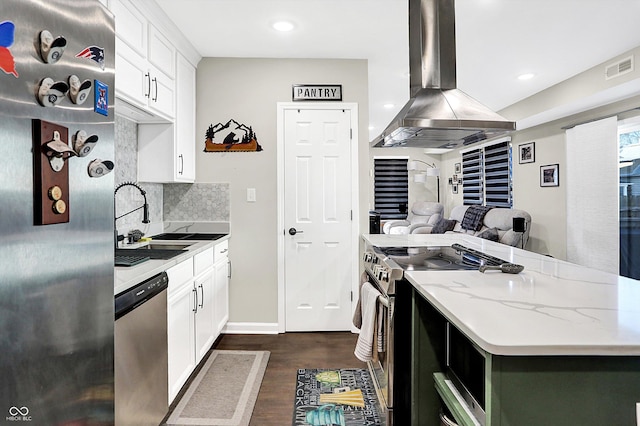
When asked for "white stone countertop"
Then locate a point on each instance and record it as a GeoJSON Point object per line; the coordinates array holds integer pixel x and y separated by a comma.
{"type": "Point", "coordinates": [126, 277]}
{"type": "Point", "coordinates": [552, 307]}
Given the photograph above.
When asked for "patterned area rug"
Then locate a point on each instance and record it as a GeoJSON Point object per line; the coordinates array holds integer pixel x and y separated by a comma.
{"type": "Point", "coordinates": [341, 397]}
{"type": "Point", "coordinates": [224, 392]}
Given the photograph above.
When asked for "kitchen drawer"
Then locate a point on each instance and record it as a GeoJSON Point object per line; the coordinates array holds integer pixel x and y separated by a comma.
{"type": "Point", "coordinates": [221, 250]}
{"type": "Point", "coordinates": [202, 261]}
{"type": "Point", "coordinates": [180, 274]}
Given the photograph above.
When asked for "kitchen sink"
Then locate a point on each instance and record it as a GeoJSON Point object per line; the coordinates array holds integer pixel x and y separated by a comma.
{"type": "Point", "coordinates": [203, 236]}
{"type": "Point", "coordinates": [154, 251]}
{"type": "Point", "coordinates": [155, 246]}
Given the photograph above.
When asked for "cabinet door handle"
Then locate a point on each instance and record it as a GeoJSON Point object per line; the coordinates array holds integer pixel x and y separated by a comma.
{"type": "Point", "coordinates": [181, 157]}
{"type": "Point", "coordinates": [148, 76]}
{"type": "Point", "coordinates": [195, 308]}
{"type": "Point", "coordinates": [229, 269]}
{"type": "Point", "coordinates": [155, 84]}
{"type": "Point", "coordinates": [202, 302]}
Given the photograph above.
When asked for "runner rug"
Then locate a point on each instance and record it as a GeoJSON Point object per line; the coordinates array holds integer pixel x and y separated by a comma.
{"type": "Point", "coordinates": [224, 392]}
{"type": "Point", "coordinates": [341, 397]}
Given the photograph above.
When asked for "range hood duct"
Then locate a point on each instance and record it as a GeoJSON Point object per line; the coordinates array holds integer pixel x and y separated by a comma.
{"type": "Point", "coordinates": [438, 115]}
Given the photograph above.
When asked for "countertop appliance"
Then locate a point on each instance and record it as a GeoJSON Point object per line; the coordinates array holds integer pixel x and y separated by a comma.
{"type": "Point", "coordinates": [385, 267]}
{"type": "Point", "coordinates": [56, 280]}
{"type": "Point", "coordinates": [141, 370]}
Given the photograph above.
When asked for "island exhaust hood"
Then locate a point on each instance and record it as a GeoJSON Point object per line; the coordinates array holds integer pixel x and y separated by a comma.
{"type": "Point", "coordinates": [438, 115]}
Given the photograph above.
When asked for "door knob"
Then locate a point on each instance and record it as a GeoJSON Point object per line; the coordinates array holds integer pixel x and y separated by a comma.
{"type": "Point", "coordinates": [294, 231]}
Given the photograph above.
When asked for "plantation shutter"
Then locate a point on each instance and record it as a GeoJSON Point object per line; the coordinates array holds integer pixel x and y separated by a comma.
{"type": "Point", "coordinates": [497, 175]}
{"type": "Point", "coordinates": [472, 172]}
{"type": "Point", "coordinates": [486, 176]}
{"type": "Point", "coordinates": [391, 187]}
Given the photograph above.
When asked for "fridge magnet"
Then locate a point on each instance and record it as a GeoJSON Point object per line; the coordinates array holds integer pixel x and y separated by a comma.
{"type": "Point", "coordinates": [549, 175]}
{"type": "Point", "coordinates": [94, 53]}
{"type": "Point", "coordinates": [51, 93]}
{"type": "Point", "coordinates": [7, 61]}
{"type": "Point", "coordinates": [527, 152]}
{"type": "Point", "coordinates": [78, 90]}
{"type": "Point", "coordinates": [98, 168]}
{"type": "Point", "coordinates": [101, 103]}
{"type": "Point", "coordinates": [454, 189]}
{"type": "Point", "coordinates": [51, 49]}
{"type": "Point", "coordinates": [223, 138]}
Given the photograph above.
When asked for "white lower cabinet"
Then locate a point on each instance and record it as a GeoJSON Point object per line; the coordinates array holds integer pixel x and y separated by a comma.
{"type": "Point", "coordinates": [180, 326]}
{"type": "Point", "coordinates": [222, 269]}
{"type": "Point", "coordinates": [193, 322]}
{"type": "Point", "coordinates": [206, 332]}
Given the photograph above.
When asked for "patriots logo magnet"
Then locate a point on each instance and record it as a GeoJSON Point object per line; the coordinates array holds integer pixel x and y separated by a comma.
{"type": "Point", "coordinates": [94, 53]}
{"type": "Point", "coordinates": [7, 61]}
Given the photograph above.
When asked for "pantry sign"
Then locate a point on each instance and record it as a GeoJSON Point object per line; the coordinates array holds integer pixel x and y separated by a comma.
{"type": "Point", "coordinates": [317, 92]}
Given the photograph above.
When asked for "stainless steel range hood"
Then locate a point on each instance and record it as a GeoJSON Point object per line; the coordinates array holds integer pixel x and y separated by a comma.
{"type": "Point", "coordinates": [438, 115]}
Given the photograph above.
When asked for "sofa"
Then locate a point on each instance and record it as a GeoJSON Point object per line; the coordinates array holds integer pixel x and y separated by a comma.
{"type": "Point", "coordinates": [497, 225]}
{"type": "Point", "coordinates": [422, 214]}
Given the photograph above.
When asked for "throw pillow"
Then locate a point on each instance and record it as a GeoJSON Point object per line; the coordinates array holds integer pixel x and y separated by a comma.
{"type": "Point", "coordinates": [490, 234]}
{"type": "Point", "coordinates": [443, 225]}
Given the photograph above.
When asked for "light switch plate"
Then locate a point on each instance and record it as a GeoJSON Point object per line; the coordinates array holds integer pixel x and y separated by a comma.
{"type": "Point", "coordinates": [251, 195]}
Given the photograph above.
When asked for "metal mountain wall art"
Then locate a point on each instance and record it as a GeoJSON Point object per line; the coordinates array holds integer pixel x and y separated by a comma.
{"type": "Point", "coordinates": [223, 138]}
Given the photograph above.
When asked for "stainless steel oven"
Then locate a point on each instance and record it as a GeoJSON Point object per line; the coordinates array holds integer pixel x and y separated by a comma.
{"type": "Point", "coordinates": [385, 267]}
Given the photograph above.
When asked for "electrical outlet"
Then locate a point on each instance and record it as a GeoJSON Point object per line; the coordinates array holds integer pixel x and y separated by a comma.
{"type": "Point", "coordinates": [251, 195]}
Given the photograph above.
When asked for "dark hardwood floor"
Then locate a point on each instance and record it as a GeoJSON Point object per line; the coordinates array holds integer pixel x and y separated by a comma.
{"type": "Point", "coordinates": [289, 352]}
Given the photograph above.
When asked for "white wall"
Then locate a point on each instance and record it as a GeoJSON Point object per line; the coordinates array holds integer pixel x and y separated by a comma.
{"type": "Point", "coordinates": [248, 90]}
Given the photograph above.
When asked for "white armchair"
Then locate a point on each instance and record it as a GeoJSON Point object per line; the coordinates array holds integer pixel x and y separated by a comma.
{"type": "Point", "coordinates": [423, 214]}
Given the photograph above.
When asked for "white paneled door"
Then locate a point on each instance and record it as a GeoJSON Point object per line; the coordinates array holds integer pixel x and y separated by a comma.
{"type": "Point", "coordinates": [317, 219]}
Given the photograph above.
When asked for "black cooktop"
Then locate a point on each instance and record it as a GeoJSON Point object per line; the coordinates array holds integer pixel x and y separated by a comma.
{"type": "Point", "coordinates": [193, 236]}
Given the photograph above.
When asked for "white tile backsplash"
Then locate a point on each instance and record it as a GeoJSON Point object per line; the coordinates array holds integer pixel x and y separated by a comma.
{"type": "Point", "coordinates": [196, 202]}
{"type": "Point", "coordinates": [200, 202]}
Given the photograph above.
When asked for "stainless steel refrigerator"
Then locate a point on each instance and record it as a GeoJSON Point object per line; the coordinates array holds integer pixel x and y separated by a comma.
{"type": "Point", "coordinates": [56, 212]}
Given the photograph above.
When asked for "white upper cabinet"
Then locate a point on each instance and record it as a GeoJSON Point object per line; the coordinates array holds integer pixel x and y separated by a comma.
{"type": "Point", "coordinates": [185, 154]}
{"type": "Point", "coordinates": [145, 65]}
{"type": "Point", "coordinates": [156, 87]}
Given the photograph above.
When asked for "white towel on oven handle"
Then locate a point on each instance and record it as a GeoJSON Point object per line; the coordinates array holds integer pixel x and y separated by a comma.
{"type": "Point", "coordinates": [369, 304]}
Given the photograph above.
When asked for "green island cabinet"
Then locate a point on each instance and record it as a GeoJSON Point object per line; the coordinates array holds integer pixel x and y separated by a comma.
{"type": "Point", "coordinates": [522, 390]}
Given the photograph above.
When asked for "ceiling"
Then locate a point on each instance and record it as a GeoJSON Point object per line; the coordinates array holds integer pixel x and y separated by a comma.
{"type": "Point", "coordinates": [497, 40]}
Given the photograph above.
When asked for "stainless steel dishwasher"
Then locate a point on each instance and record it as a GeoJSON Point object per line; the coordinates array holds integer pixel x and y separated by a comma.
{"type": "Point", "coordinates": [141, 378]}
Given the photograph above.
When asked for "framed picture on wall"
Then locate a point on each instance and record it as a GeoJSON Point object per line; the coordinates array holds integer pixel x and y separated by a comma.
{"type": "Point", "coordinates": [457, 169]}
{"type": "Point", "coordinates": [527, 153]}
{"type": "Point", "coordinates": [549, 175]}
{"type": "Point", "coordinates": [454, 189]}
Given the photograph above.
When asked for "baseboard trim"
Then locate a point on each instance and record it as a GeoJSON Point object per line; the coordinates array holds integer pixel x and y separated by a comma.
{"type": "Point", "coordinates": [251, 328]}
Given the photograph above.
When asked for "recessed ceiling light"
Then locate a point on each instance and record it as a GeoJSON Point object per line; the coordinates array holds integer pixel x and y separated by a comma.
{"type": "Point", "coordinates": [283, 26]}
{"type": "Point", "coordinates": [389, 106]}
{"type": "Point", "coordinates": [527, 76]}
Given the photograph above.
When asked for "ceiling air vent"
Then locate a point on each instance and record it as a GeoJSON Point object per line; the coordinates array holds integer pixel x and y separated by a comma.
{"type": "Point", "coordinates": [619, 68]}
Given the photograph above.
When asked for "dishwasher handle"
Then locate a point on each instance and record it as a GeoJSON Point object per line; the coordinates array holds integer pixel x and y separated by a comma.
{"type": "Point", "coordinates": [137, 295]}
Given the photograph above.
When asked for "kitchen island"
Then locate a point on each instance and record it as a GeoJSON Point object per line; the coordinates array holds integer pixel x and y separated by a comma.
{"type": "Point", "coordinates": [559, 343]}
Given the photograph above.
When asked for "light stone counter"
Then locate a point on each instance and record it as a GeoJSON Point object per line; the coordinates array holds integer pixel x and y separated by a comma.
{"type": "Point", "coordinates": [126, 277]}
{"type": "Point", "coordinates": [552, 307]}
